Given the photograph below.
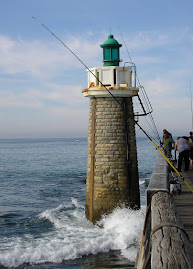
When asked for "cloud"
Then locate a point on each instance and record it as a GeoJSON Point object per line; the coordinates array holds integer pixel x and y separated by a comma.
{"type": "Point", "coordinates": [65, 94]}
{"type": "Point", "coordinates": [35, 73]}
{"type": "Point", "coordinates": [146, 40]}
{"type": "Point", "coordinates": [170, 98]}
{"type": "Point", "coordinates": [32, 58]}
{"type": "Point", "coordinates": [43, 59]}
{"type": "Point", "coordinates": [55, 94]}
{"type": "Point", "coordinates": [160, 86]}
{"type": "Point", "coordinates": [28, 99]}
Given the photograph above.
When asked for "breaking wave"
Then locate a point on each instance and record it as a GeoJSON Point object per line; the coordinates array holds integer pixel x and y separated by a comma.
{"type": "Point", "coordinates": [69, 235]}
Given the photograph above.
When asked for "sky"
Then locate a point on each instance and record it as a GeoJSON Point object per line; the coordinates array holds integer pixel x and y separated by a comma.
{"type": "Point", "coordinates": [41, 82]}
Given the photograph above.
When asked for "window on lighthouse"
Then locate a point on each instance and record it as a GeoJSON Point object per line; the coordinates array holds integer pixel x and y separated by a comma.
{"type": "Point", "coordinates": [107, 53]}
{"type": "Point", "coordinates": [114, 54]}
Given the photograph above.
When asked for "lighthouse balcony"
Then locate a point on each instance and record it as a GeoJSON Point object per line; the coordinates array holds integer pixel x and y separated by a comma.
{"type": "Point", "coordinates": [120, 80]}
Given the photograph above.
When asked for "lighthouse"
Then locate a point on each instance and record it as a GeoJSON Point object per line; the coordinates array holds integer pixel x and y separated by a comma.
{"type": "Point", "coordinates": [112, 168]}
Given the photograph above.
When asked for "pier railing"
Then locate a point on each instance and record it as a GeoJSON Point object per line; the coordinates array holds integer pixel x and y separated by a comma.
{"type": "Point", "coordinates": [165, 243]}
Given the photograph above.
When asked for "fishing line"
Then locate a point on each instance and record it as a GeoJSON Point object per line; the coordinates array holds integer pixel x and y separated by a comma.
{"type": "Point", "coordinates": [77, 58]}
{"type": "Point", "coordinates": [82, 64]}
{"type": "Point", "coordinates": [113, 96]}
{"type": "Point", "coordinates": [122, 105]}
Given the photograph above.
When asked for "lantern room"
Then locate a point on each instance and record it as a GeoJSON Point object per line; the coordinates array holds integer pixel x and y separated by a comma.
{"type": "Point", "coordinates": [119, 79]}
{"type": "Point", "coordinates": [111, 52]}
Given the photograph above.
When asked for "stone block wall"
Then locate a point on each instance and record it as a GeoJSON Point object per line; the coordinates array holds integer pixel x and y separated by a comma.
{"type": "Point", "coordinates": [112, 170]}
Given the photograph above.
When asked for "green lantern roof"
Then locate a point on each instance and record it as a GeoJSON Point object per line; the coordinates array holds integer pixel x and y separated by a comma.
{"type": "Point", "coordinates": [111, 42]}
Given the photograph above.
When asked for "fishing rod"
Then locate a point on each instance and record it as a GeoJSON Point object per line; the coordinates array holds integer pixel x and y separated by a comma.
{"type": "Point", "coordinates": [164, 156]}
{"type": "Point", "coordinates": [76, 58]}
{"type": "Point", "coordinates": [145, 113]}
{"type": "Point", "coordinates": [122, 105]}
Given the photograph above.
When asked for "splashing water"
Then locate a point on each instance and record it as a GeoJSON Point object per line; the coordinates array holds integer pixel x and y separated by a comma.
{"type": "Point", "coordinates": [69, 235]}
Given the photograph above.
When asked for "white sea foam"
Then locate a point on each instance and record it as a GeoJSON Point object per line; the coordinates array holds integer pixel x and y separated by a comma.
{"type": "Point", "coordinates": [124, 227]}
{"type": "Point", "coordinates": [141, 182]}
{"type": "Point", "coordinates": [73, 236]}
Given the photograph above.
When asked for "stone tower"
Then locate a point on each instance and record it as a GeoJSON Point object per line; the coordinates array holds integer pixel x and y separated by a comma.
{"type": "Point", "coordinates": [112, 169]}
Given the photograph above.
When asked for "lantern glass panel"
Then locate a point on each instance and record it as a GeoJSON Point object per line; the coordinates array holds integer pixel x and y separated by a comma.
{"type": "Point", "coordinates": [107, 54]}
{"type": "Point", "coordinates": [115, 53]}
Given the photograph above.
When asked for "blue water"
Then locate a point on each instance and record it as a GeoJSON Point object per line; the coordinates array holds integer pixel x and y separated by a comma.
{"type": "Point", "coordinates": [42, 200]}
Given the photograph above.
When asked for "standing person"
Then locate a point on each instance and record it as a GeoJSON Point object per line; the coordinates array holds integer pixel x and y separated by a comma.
{"type": "Point", "coordinates": [183, 149]}
{"type": "Point", "coordinates": [168, 143]}
{"type": "Point", "coordinates": [191, 149]}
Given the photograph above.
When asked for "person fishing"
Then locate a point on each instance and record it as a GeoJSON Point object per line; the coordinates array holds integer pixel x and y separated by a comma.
{"type": "Point", "coordinates": [183, 148]}
{"type": "Point", "coordinates": [191, 150]}
{"type": "Point", "coordinates": [168, 143]}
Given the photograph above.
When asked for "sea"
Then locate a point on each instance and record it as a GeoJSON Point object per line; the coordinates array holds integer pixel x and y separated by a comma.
{"type": "Point", "coordinates": [42, 208]}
